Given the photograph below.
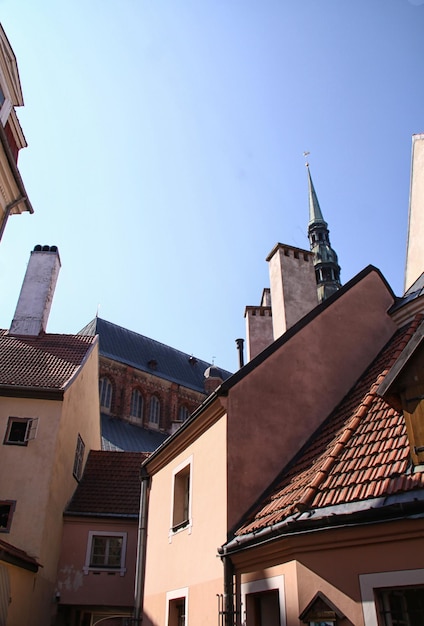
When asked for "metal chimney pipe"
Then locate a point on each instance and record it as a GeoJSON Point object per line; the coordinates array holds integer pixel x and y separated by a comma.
{"type": "Point", "coordinates": [240, 344]}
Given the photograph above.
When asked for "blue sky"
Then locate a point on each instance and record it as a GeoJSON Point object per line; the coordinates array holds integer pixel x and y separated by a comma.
{"type": "Point", "coordinates": [166, 142]}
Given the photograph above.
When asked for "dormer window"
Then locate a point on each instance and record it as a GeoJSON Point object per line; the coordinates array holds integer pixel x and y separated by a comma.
{"type": "Point", "coordinates": [403, 389]}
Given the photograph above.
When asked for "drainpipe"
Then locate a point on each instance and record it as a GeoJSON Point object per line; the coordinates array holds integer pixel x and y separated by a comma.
{"type": "Point", "coordinates": [228, 591]}
{"type": "Point", "coordinates": [240, 343]}
{"type": "Point", "coordinates": [7, 211]}
{"type": "Point", "coordinates": [140, 570]}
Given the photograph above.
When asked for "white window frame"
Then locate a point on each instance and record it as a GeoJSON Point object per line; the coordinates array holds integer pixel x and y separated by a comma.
{"type": "Point", "coordinates": [30, 432]}
{"type": "Point", "coordinates": [104, 533]}
{"type": "Point", "coordinates": [177, 470]}
{"type": "Point", "coordinates": [371, 582]}
{"type": "Point", "coordinates": [274, 583]}
{"type": "Point", "coordinates": [177, 594]}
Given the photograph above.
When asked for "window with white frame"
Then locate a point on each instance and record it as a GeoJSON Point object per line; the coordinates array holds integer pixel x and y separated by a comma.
{"type": "Point", "coordinates": [378, 604]}
{"type": "Point", "coordinates": [105, 392]}
{"type": "Point", "coordinates": [7, 508]}
{"type": "Point", "coordinates": [79, 458]}
{"type": "Point", "coordinates": [20, 430]}
{"type": "Point", "coordinates": [154, 411]}
{"type": "Point", "coordinates": [177, 607]}
{"type": "Point", "coordinates": [106, 552]}
{"type": "Point", "coordinates": [263, 602]}
{"type": "Point", "coordinates": [136, 409]}
{"type": "Point", "coordinates": [181, 496]}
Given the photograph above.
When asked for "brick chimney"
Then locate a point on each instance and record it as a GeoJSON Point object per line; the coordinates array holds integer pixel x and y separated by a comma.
{"type": "Point", "coordinates": [35, 300]}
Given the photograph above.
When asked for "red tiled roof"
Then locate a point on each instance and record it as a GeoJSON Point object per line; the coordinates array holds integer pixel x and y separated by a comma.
{"type": "Point", "coordinates": [47, 361]}
{"type": "Point", "coordinates": [360, 452]}
{"type": "Point", "coordinates": [110, 484]}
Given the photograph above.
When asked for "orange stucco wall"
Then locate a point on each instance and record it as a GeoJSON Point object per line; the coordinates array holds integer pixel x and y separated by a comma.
{"type": "Point", "coordinates": [332, 562]}
{"type": "Point", "coordinates": [276, 408]}
{"type": "Point", "coordinates": [188, 557]}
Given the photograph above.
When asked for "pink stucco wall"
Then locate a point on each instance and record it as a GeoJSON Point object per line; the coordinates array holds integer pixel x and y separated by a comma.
{"type": "Point", "coordinates": [105, 588]}
{"type": "Point", "coordinates": [275, 409]}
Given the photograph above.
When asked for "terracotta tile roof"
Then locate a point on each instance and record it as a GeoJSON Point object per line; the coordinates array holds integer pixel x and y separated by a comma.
{"type": "Point", "coordinates": [47, 361]}
{"type": "Point", "coordinates": [110, 485]}
{"type": "Point", "coordinates": [361, 452]}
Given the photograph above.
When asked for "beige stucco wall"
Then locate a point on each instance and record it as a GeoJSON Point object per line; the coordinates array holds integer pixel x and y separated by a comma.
{"type": "Point", "coordinates": [274, 410]}
{"type": "Point", "coordinates": [333, 563]}
{"type": "Point", "coordinates": [39, 476]}
{"type": "Point", "coordinates": [188, 557]}
{"type": "Point", "coordinates": [415, 247]}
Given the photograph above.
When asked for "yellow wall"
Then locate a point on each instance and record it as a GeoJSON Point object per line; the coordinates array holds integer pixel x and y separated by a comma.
{"type": "Point", "coordinates": [39, 477]}
{"type": "Point", "coordinates": [188, 557]}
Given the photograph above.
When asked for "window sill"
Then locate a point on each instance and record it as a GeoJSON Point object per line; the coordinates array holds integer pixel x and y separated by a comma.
{"type": "Point", "coordinates": [180, 528]}
{"type": "Point", "coordinates": [105, 570]}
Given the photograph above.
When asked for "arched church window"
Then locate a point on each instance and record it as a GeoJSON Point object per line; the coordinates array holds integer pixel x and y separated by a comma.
{"type": "Point", "coordinates": [154, 412]}
{"type": "Point", "coordinates": [136, 409]}
{"type": "Point", "coordinates": [105, 392]}
{"type": "Point", "coordinates": [183, 413]}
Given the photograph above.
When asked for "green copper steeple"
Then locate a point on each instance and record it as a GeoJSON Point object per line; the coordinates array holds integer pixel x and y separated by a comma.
{"type": "Point", "coordinates": [327, 269]}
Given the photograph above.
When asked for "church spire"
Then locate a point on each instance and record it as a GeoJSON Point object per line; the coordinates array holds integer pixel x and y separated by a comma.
{"type": "Point", "coordinates": [327, 269]}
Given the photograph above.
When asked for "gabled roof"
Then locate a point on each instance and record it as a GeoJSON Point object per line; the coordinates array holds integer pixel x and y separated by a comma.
{"type": "Point", "coordinates": [148, 355]}
{"type": "Point", "coordinates": [357, 460]}
{"type": "Point", "coordinates": [119, 435]}
{"type": "Point", "coordinates": [110, 485]}
{"type": "Point", "coordinates": [45, 363]}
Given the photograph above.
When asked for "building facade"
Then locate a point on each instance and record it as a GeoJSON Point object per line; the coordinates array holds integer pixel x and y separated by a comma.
{"type": "Point", "coordinates": [13, 196]}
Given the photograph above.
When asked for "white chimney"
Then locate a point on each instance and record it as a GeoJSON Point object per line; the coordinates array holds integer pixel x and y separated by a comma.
{"type": "Point", "coordinates": [35, 300]}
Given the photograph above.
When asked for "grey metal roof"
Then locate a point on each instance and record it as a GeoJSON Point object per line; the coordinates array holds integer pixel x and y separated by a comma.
{"type": "Point", "coordinates": [120, 436]}
{"type": "Point", "coordinates": [148, 355]}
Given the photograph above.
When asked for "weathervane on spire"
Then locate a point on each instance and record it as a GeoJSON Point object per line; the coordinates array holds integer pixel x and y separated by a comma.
{"type": "Point", "coordinates": [305, 154]}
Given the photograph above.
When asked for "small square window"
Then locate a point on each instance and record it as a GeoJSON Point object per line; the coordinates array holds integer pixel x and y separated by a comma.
{"type": "Point", "coordinates": [7, 508]}
{"type": "Point", "coordinates": [20, 430]}
{"type": "Point", "coordinates": [106, 552]}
